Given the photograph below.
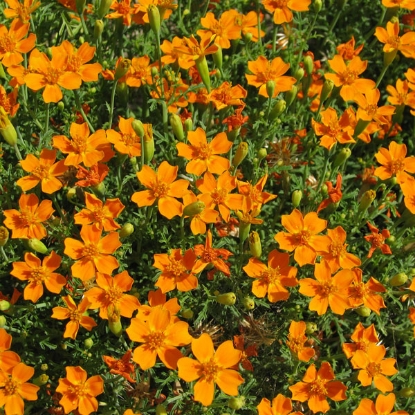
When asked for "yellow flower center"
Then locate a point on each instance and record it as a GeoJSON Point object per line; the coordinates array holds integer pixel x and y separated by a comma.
{"type": "Point", "coordinates": [333, 128]}
{"type": "Point", "coordinates": [394, 42]}
{"type": "Point", "coordinates": [90, 251]}
{"type": "Point", "coordinates": [155, 340]}
{"type": "Point", "coordinates": [203, 152]}
{"type": "Point", "coordinates": [326, 288]}
{"type": "Point", "coordinates": [7, 44]}
{"type": "Point", "coordinates": [175, 267]}
{"type": "Point", "coordinates": [73, 64]}
{"type": "Point", "coordinates": [41, 172]}
{"type": "Point", "coordinates": [52, 76]}
{"type": "Point", "coordinates": [160, 190]}
{"type": "Point", "coordinates": [358, 290]}
{"type": "Point", "coordinates": [337, 249]}
{"type": "Point", "coordinates": [130, 139]}
{"type": "Point", "coordinates": [318, 387]}
{"type": "Point", "coordinates": [296, 344]}
{"type": "Point", "coordinates": [123, 8]}
{"type": "Point", "coordinates": [302, 237]}
{"type": "Point", "coordinates": [26, 219]}
{"type": "Point", "coordinates": [218, 196]}
{"type": "Point", "coordinates": [79, 143]}
{"type": "Point", "coordinates": [209, 256]}
{"type": "Point", "coordinates": [396, 166]}
{"type": "Point", "coordinates": [98, 215]}
{"type": "Point", "coordinates": [78, 390]}
{"type": "Point", "coordinates": [348, 77]}
{"type": "Point", "coordinates": [10, 387]}
{"type": "Point", "coordinates": [371, 110]}
{"type": "Point", "coordinates": [271, 275]}
{"type": "Point", "coordinates": [75, 315]}
{"type": "Point", "coordinates": [113, 295]}
{"type": "Point", "coordinates": [210, 370]}
{"type": "Point", "coordinates": [373, 369]}
{"type": "Point", "coordinates": [37, 275]}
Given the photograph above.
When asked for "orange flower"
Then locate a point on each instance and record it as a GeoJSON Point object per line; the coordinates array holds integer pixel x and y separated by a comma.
{"type": "Point", "coordinates": [139, 73]}
{"type": "Point", "coordinates": [51, 75]}
{"type": "Point", "coordinates": [225, 28]}
{"type": "Point", "coordinates": [316, 386]}
{"type": "Point", "coordinates": [393, 42]}
{"type": "Point", "coordinates": [217, 193]}
{"type": "Point", "coordinates": [27, 223]}
{"type": "Point", "coordinates": [92, 254]}
{"type": "Point", "coordinates": [394, 162]}
{"type": "Point", "coordinates": [334, 194]}
{"type": "Point", "coordinates": [78, 391]}
{"type": "Point", "coordinates": [196, 50]}
{"type": "Point", "coordinates": [401, 95]}
{"type": "Point", "coordinates": [254, 197]}
{"type": "Point", "coordinates": [209, 256]}
{"type": "Point", "coordinates": [302, 236]}
{"type": "Point", "coordinates": [404, 4]}
{"type": "Point", "coordinates": [226, 95]}
{"type": "Point", "coordinates": [251, 350]}
{"type": "Point", "coordinates": [39, 273]}
{"type": "Point", "coordinates": [327, 291]}
{"type": "Point", "coordinates": [273, 278]}
{"type": "Point", "coordinates": [203, 155]}
{"type": "Point", "coordinates": [332, 129]}
{"type": "Point", "coordinates": [297, 340]}
{"type": "Point", "coordinates": [123, 9]}
{"type": "Point", "coordinates": [211, 367]}
{"type": "Point", "coordinates": [368, 109]}
{"type": "Point", "coordinates": [76, 314]}
{"type": "Point", "coordinates": [9, 101]}
{"type": "Point", "coordinates": [337, 256]}
{"type": "Point", "coordinates": [171, 54]}
{"type": "Point", "coordinates": [12, 44]}
{"type": "Point", "coordinates": [362, 339]}
{"type": "Point", "coordinates": [346, 76]}
{"type": "Point", "coordinates": [347, 50]}
{"type": "Point", "coordinates": [408, 190]}
{"type": "Point", "coordinates": [161, 337]}
{"type": "Point", "coordinates": [411, 318]}
{"type": "Point", "coordinates": [156, 299]}
{"type": "Point", "coordinates": [162, 188]}
{"type": "Point", "coordinates": [19, 10]}
{"type": "Point", "coordinates": [283, 9]}
{"type": "Point", "coordinates": [14, 388]}
{"type": "Point", "coordinates": [365, 294]}
{"type": "Point", "coordinates": [280, 406]}
{"type": "Point", "coordinates": [110, 294]}
{"type": "Point", "coordinates": [384, 405]}
{"type": "Point", "coordinates": [122, 367]}
{"type": "Point", "coordinates": [176, 270]}
{"type": "Point", "coordinates": [126, 141]}
{"type": "Point", "coordinates": [99, 214]}
{"type": "Point", "coordinates": [265, 71]}
{"type": "Point", "coordinates": [84, 148]}
{"type": "Point", "coordinates": [373, 367]}
{"type": "Point", "coordinates": [8, 359]}
{"type": "Point", "coordinates": [43, 170]}
{"type": "Point", "coordinates": [249, 24]}
{"type": "Point", "coordinates": [378, 240]}
{"type": "Point", "coordinates": [92, 177]}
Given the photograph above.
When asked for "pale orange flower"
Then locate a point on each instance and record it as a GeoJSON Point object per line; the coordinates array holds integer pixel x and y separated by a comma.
{"type": "Point", "coordinates": [248, 24]}
{"type": "Point", "coordinates": [37, 273]}
{"type": "Point", "coordinates": [19, 10]}
{"type": "Point", "coordinates": [383, 406]}
{"type": "Point", "coordinates": [93, 253]}
{"type": "Point", "coordinates": [362, 337]}
{"type": "Point", "coordinates": [393, 42]}
{"type": "Point", "coordinates": [8, 359]}
{"type": "Point", "coordinates": [280, 406]}
{"type": "Point", "coordinates": [283, 9]}
{"type": "Point", "coordinates": [27, 223]}
{"type": "Point", "coordinates": [226, 95]}
{"type": "Point", "coordinates": [43, 170]}
{"type": "Point", "coordinates": [368, 107]}
{"type": "Point", "coordinates": [139, 73]}
{"type": "Point", "coordinates": [254, 197]}
{"type": "Point", "coordinates": [297, 341]}
{"type": "Point", "coordinates": [211, 367]}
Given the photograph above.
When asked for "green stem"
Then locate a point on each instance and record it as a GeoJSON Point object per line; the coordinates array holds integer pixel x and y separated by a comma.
{"type": "Point", "coordinates": [182, 237]}
{"type": "Point", "coordinates": [382, 74]}
{"type": "Point", "coordinates": [4, 254]}
{"type": "Point", "coordinates": [114, 88]}
{"type": "Point", "coordinates": [323, 176]}
{"type": "Point", "coordinates": [81, 110]}
{"type": "Point", "coordinates": [47, 119]}
{"type": "Point", "coordinates": [83, 23]}
{"type": "Point", "coordinates": [16, 149]}
{"type": "Point", "coordinates": [258, 13]}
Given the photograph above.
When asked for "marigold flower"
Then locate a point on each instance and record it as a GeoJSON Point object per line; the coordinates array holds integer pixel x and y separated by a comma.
{"type": "Point", "coordinates": [84, 147]}
{"type": "Point", "coordinates": [334, 194]}
{"type": "Point", "coordinates": [139, 73]}
{"type": "Point", "coordinates": [122, 367]}
{"type": "Point", "coordinates": [378, 240]}
{"type": "Point", "coordinates": [327, 291]}
{"type": "Point", "coordinates": [254, 197]}
{"type": "Point", "coordinates": [251, 350]}
{"type": "Point", "coordinates": [161, 337]}
{"type": "Point", "coordinates": [43, 170]}
{"type": "Point", "coordinates": [283, 9]}
{"type": "Point", "coordinates": [14, 388]}
{"type": "Point", "coordinates": [37, 273]}
{"type": "Point", "coordinates": [27, 223]}
{"type": "Point", "coordinates": [392, 41]}
{"type": "Point", "coordinates": [347, 50]}
{"type": "Point", "coordinates": [100, 214]}
{"type": "Point", "coordinates": [383, 406]}
{"type": "Point", "coordinates": [411, 318]}
{"type": "Point", "coordinates": [162, 188]}
{"type": "Point", "coordinates": [280, 406]}
{"type": "Point", "coordinates": [226, 95]}
{"type": "Point", "coordinates": [9, 101]}
{"type": "Point", "coordinates": [196, 50]}
{"type": "Point", "coordinates": [8, 359]}
{"type": "Point", "coordinates": [404, 4]}
{"type": "Point", "coordinates": [110, 294]}
{"type": "Point", "coordinates": [249, 24]}
{"type": "Point", "coordinates": [273, 278]}
{"type": "Point", "coordinates": [19, 10]}
{"type": "Point", "coordinates": [373, 367]}
{"type": "Point", "coordinates": [157, 299]}
{"type": "Point", "coordinates": [316, 386]}
{"type": "Point", "coordinates": [264, 71]}
{"type": "Point", "coordinates": [211, 367]}
{"type": "Point", "coordinates": [93, 253]}
{"type": "Point", "coordinates": [92, 177]}
{"type": "Point", "coordinates": [366, 294]}
{"type": "Point", "coordinates": [123, 9]}
{"type": "Point", "coordinates": [303, 236]}
{"type": "Point", "coordinates": [76, 314]}
{"type": "Point", "coordinates": [362, 337]}
{"type": "Point", "coordinates": [401, 95]}
{"type": "Point", "coordinates": [176, 270]}
{"type": "Point", "coordinates": [408, 190]}
{"type": "Point", "coordinates": [297, 339]}
{"type": "Point", "coordinates": [78, 391]}
{"type": "Point", "coordinates": [368, 109]}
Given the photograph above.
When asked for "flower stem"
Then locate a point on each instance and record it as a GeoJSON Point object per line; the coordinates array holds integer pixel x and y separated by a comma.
{"type": "Point", "coordinates": [4, 254]}
{"type": "Point", "coordinates": [114, 88]}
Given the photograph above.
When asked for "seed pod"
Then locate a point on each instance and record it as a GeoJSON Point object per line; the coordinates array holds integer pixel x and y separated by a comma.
{"type": "Point", "coordinates": [296, 197]}
{"type": "Point", "coordinates": [363, 311]}
{"type": "Point", "coordinates": [154, 19]}
{"type": "Point", "coordinates": [7, 129]}
{"type": "Point", "coordinates": [4, 235]}
{"type": "Point", "coordinates": [341, 157]}
{"type": "Point", "coordinates": [367, 199]}
{"type": "Point", "coordinates": [98, 29]}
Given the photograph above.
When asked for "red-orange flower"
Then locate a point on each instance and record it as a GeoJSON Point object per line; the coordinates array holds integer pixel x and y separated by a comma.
{"type": "Point", "coordinates": [362, 337]}
{"type": "Point", "coordinates": [297, 339]}
{"type": "Point", "coordinates": [211, 367]}
{"type": "Point", "coordinates": [317, 386]}
{"type": "Point", "coordinates": [378, 240]}
{"type": "Point", "coordinates": [251, 350]}
{"type": "Point", "coordinates": [334, 194]}
{"type": "Point", "coordinates": [122, 367]}
{"type": "Point", "coordinates": [27, 223]}
{"type": "Point", "coordinates": [37, 273]}
{"type": "Point", "coordinates": [93, 253]}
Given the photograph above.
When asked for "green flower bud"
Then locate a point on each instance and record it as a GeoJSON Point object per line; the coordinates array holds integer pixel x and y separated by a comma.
{"type": "Point", "coordinates": [203, 69]}
{"type": "Point", "coordinates": [255, 244]}
{"type": "Point", "coordinates": [299, 74]}
{"type": "Point", "coordinates": [296, 197]}
{"type": "Point", "coordinates": [138, 128]}
{"type": "Point", "coordinates": [248, 36]}
{"type": "Point", "coordinates": [71, 194]}
{"type": "Point", "coordinates": [310, 327]}
{"type": "Point", "coordinates": [115, 327]}
{"type": "Point", "coordinates": [308, 64]}
{"type": "Point", "coordinates": [194, 208]}
{"type": "Point", "coordinates": [37, 246]}
{"type": "Point", "coordinates": [44, 367]}
{"type": "Point", "coordinates": [226, 299]}
{"type": "Point", "coordinates": [218, 58]}
{"type": "Point", "coordinates": [407, 392]}
{"type": "Point", "coordinates": [126, 230]}
{"type": "Point", "coordinates": [240, 154]}
{"type": "Point", "coordinates": [187, 314]}
{"type": "Point", "coordinates": [177, 127]}
{"type": "Point", "coordinates": [99, 190]}
{"type": "Point", "coordinates": [367, 199]}
{"type": "Point", "coordinates": [122, 68]}
{"type": "Point", "coordinates": [103, 8]}
{"type": "Point", "coordinates": [4, 305]}
{"type": "Point", "coordinates": [278, 109]}
{"type": "Point", "coordinates": [80, 6]}
{"type": "Point", "coordinates": [188, 125]}
{"type": "Point", "coordinates": [360, 127]}
{"type": "Point", "coordinates": [161, 410]}
{"type": "Point", "coordinates": [154, 19]}
{"type": "Point", "coordinates": [88, 343]}
{"type": "Point", "coordinates": [98, 29]}
{"type": "Point", "coordinates": [61, 105]}
{"type": "Point", "coordinates": [41, 380]}
{"type": "Point", "coordinates": [248, 303]}
{"type": "Point", "coordinates": [4, 235]}
{"type": "Point", "coordinates": [291, 95]}
{"type": "Point", "coordinates": [3, 322]}
{"type": "Point", "coordinates": [363, 311]}
{"type": "Point", "coordinates": [2, 73]}
{"type": "Point", "coordinates": [262, 153]}
{"type": "Point", "coordinates": [326, 90]}
{"type": "Point", "coordinates": [7, 129]}
{"type": "Point", "coordinates": [317, 6]}
{"type": "Point", "coordinates": [270, 88]}
{"type": "Point", "coordinates": [398, 279]}
{"type": "Point", "coordinates": [341, 157]}
{"type": "Point", "coordinates": [236, 402]}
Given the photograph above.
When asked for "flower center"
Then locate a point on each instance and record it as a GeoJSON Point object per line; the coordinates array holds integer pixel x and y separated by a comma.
{"type": "Point", "coordinates": [318, 387]}
{"type": "Point", "coordinates": [90, 251]}
{"type": "Point", "coordinates": [175, 267]}
{"type": "Point", "coordinates": [203, 152]}
{"type": "Point", "coordinates": [377, 240]}
{"type": "Point", "coordinates": [10, 387]}
{"type": "Point", "coordinates": [37, 276]}
{"type": "Point", "coordinates": [78, 390]}
{"type": "Point", "coordinates": [79, 143]}
{"type": "Point", "coordinates": [209, 370]}
{"type": "Point", "coordinates": [124, 8]}
{"type": "Point", "coordinates": [358, 290]}
{"type": "Point", "coordinates": [337, 249]}
{"type": "Point", "coordinates": [98, 215]}
{"type": "Point", "coordinates": [209, 256]}
{"type": "Point", "coordinates": [396, 166]}
{"type": "Point", "coordinates": [26, 219]}
{"type": "Point", "coordinates": [41, 172]}
{"type": "Point", "coordinates": [326, 288]}
{"type": "Point", "coordinates": [296, 343]}
{"type": "Point", "coordinates": [373, 369]}
{"type": "Point", "coordinates": [155, 340]}
{"type": "Point", "coordinates": [394, 41]}
{"type": "Point", "coordinates": [52, 76]}
{"type": "Point", "coordinates": [130, 139]}
{"type": "Point", "coordinates": [160, 190]}
{"type": "Point", "coordinates": [7, 44]}
{"type": "Point", "coordinates": [271, 275]}
{"type": "Point", "coordinates": [218, 196]}
{"type": "Point", "coordinates": [302, 237]}
{"type": "Point", "coordinates": [348, 77]}
{"type": "Point", "coordinates": [113, 295]}
{"type": "Point", "coordinates": [75, 315]}
{"type": "Point", "coordinates": [73, 64]}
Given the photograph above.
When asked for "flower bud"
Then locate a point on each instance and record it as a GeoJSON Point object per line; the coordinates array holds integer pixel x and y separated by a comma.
{"type": "Point", "coordinates": [278, 109]}
{"type": "Point", "coordinates": [187, 314]}
{"type": "Point", "coordinates": [194, 208]}
{"type": "Point", "coordinates": [154, 19]}
{"type": "Point", "coordinates": [138, 128]}
{"type": "Point", "coordinates": [291, 95]}
{"type": "Point", "coordinates": [270, 88]}
{"type": "Point", "coordinates": [41, 380]}
{"type": "Point", "coordinates": [123, 65]}
{"type": "Point", "coordinates": [71, 194]}
{"type": "Point", "coordinates": [367, 199]}
{"type": "Point", "coordinates": [103, 8]}
{"type": "Point", "coordinates": [248, 36]}
{"type": "Point", "coordinates": [255, 244]}
{"type": "Point", "coordinates": [360, 127]}
{"type": "Point", "coordinates": [218, 58]}
{"type": "Point", "coordinates": [3, 322]}
{"type": "Point", "coordinates": [37, 246]}
{"type": "Point", "coordinates": [248, 303]}
{"type": "Point", "coordinates": [4, 305]}
{"type": "Point", "coordinates": [98, 29]}
{"type": "Point", "coordinates": [236, 402]}
{"type": "Point", "coordinates": [2, 73]}
{"type": "Point", "coordinates": [244, 229]}
{"type": "Point", "coordinates": [177, 127]}
{"type": "Point", "coordinates": [310, 327]}
{"type": "Point", "coordinates": [161, 410]}
{"type": "Point", "coordinates": [88, 343]}
{"type": "Point", "coordinates": [240, 154]}
{"type": "Point", "coordinates": [308, 64]}
{"type": "Point", "coordinates": [389, 57]}
{"type": "Point", "coordinates": [188, 125]}
{"type": "Point", "coordinates": [115, 327]}
{"type": "Point", "coordinates": [80, 6]}
{"type": "Point", "coordinates": [122, 92]}
{"type": "Point", "coordinates": [407, 392]}
{"type": "Point", "coordinates": [44, 367]}
{"type": "Point", "coordinates": [99, 190]}
{"type": "Point", "coordinates": [341, 157]}
{"type": "Point", "coordinates": [398, 280]}
{"type": "Point", "coordinates": [296, 197]}
{"type": "Point", "coordinates": [203, 69]}
{"type": "Point", "coordinates": [317, 6]}
{"type": "Point", "coordinates": [126, 230]}
{"type": "Point", "coordinates": [328, 86]}
{"type": "Point", "coordinates": [4, 235]}
{"type": "Point", "coordinates": [226, 299]}
{"type": "Point", "coordinates": [363, 311]}
{"type": "Point", "coordinates": [148, 147]}
{"type": "Point", "coordinates": [299, 74]}
{"type": "Point", "coordinates": [7, 129]}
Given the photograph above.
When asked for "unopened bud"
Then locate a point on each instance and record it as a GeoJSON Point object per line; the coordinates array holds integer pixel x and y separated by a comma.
{"type": "Point", "coordinates": [2, 73]}
{"type": "Point", "coordinates": [4, 235]}
{"type": "Point", "coordinates": [248, 303]}
{"type": "Point", "coordinates": [148, 147]}
{"type": "Point", "coordinates": [360, 127]}
{"type": "Point", "coordinates": [398, 280]}
{"type": "Point", "coordinates": [154, 19]}
{"type": "Point", "coordinates": [310, 327]}
{"type": "Point", "coordinates": [187, 314]}
{"type": "Point", "coordinates": [98, 29]}
{"type": "Point", "coordinates": [7, 129]}
{"type": "Point", "coordinates": [291, 95]}
{"type": "Point", "coordinates": [407, 392]}
{"type": "Point", "coordinates": [363, 311]}
{"type": "Point", "coordinates": [240, 154]}
{"type": "Point", "coordinates": [103, 8]}
{"type": "Point", "coordinates": [308, 65]}
{"type": "Point", "coordinates": [299, 74]}
{"type": "Point", "coordinates": [296, 197]}
{"type": "Point", "coordinates": [218, 58]}
{"type": "Point", "coordinates": [80, 6]}
{"type": "Point", "coordinates": [122, 68]}
{"type": "Point", "coordinates": [115, 327]}
{"type": "Point", "coordinates": [317, 6]}
{"type": "Point", "coordinates": [41, 380]}
{"type": "Point", "coordinates": [161, 410]}
{"type": "Point", "coordinates": [278, 109]}
{"type": "Point", "coordinates": [4, 305]}
{"type": "Point", "coordinates": [341, 157]}
{"type": "Point", "coordinates": [88, 343]}
{"type": "Point", "coordinates": [188, 125]}
{"type": "Point", "coordinates": [3, 322]}
{"type": "Point", "coordinates": [226, 299]}
{"type": "Point", "coordinates": [262, 153]}
{"type": "Point", "coordinates": [99, 190]}
{"type": "Point", "coordinates": [255, 244]}
{"type": "Point", "coordinates": [177, 127]}
{"type": "Point", "coordinates": [126, 230]}
{"type": "Point", "coordinates": [138, 128]}
{"type": "Point", "coordinates": [328, 86]}
{"type": "Point", "coordinates": [37, 246]}
{"type": "Point", "coordinates": [203, 69]}
{"type": "Point", "coordinates": [270, 88]}
{"type": "Point", "coordinates": [44, 367]}
{"type": "Point", "coordinates": [71, 194]}
{"type": "Point", "coordinates": [194, 208]}
{"type": "Point", "coordinates": [236, 402]}
{"type": "Point", "coordinates": [367, 199]}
